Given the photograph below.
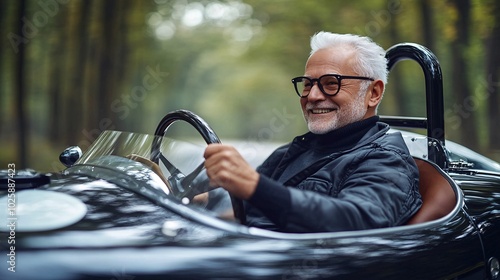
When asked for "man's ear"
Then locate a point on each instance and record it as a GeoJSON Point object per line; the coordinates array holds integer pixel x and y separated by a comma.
{"type": "Point", "coordinates": [375, 95]}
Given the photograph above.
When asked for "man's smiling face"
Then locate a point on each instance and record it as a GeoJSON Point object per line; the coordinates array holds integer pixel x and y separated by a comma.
{"type": "Point", "coordinates": [326, 113]}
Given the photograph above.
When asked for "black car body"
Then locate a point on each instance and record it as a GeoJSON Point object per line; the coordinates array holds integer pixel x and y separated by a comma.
{"type": "Point", "coordinates": [111, 216]}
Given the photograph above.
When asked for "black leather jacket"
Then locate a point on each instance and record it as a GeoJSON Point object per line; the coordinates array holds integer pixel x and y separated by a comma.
{"type": "Point", "coordinates": [356, 177]}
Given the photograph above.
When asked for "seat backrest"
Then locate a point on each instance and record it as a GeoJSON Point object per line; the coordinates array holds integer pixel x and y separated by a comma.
{"type": "Point", "coordinates": [438, 195]}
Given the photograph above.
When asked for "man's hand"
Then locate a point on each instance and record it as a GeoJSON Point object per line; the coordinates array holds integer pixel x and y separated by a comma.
{"type": "Point", "coordinates": [226, 168]}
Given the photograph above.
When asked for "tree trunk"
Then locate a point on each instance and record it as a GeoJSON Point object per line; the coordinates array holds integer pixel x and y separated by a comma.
{"type": "Point", "coordinates": [493, 79]}
{"type": "Point", "coordinates": [395, 78]}
{"type": "Point", "coordinates": [465, 106]}
{"type": "Point", "coordinates": [107, 79]}
{"type": "Point", "coordinates": [427, 23]}
{"type": "Point", "coordinates": [55, 86]}
{"type": "Point", "coordinates": [21, 112]}
{"type": "Point", "coordinates": [78, 92]}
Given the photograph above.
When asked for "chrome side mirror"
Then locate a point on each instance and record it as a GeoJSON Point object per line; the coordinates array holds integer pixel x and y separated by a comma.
{"type": "Point", "coordinates": [70, 155]}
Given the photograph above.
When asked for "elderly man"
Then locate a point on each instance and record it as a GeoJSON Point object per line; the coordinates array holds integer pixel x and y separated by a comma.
{"type": "Point", "coordinates": [347, 172]}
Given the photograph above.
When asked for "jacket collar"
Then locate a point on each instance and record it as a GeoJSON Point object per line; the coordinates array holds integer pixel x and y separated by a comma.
{"type": "Point", "coordinates": [369, 131]}
{"type": "Point", "coordinates": [343, 138]}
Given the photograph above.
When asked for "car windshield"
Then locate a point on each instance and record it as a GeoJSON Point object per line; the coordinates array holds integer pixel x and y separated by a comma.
{"type": "Point", "coordinates": [161, 168]}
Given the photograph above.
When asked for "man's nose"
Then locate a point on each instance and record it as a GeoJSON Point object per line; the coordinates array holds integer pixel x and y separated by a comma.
{"type": "Point", "coordinates": [315, 93]}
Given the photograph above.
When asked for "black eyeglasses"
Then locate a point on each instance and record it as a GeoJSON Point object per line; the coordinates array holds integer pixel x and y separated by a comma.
{"type": "Point", "coordinates": [329, 84]}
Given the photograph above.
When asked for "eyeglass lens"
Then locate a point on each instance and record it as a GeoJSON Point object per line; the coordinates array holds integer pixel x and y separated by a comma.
{"type": "Point", "coordinates": [328, 84]}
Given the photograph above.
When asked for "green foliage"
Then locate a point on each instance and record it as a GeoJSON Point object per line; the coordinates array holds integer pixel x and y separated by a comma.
{"type": "Point", "coordinates": [95, 65]}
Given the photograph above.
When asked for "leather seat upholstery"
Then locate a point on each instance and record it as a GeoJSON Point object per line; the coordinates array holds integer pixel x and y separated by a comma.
{"type": "Point", "coordinates": [438, 195]}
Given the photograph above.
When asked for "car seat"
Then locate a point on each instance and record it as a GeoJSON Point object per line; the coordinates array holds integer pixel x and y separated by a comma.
{"type": "Point", "coordinates": [438, 194]}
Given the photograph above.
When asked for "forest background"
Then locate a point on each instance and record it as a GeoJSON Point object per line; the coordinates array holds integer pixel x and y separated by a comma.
{"type": "Point", "coordinates": [74, 68]}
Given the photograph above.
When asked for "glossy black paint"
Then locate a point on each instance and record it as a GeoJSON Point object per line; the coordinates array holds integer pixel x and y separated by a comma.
{"type": "Point", "coordinates": [24, 179]}
{"type": "Point", "coordinates": [125, 234]}
{"type": "Point", "coordinates": [70, 155]}
{"type": "Point", "coordinates": [434, 122]}
{"type": "Point", "coordinates": [482, 197]}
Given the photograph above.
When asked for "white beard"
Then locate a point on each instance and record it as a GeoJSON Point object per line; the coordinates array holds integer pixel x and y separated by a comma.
{"type": "Point", "coordinates": [355, 111]}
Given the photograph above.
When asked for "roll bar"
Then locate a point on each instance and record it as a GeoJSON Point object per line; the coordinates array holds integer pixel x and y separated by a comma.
{"type": "Point", "coordinates": [434, 122]}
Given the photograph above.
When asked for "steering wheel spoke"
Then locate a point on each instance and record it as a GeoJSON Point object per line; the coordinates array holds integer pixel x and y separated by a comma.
{"type": "Point", "coordinates": [170, 167]}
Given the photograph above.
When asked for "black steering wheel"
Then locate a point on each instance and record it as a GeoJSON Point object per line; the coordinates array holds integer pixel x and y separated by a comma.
{"type": "Point", "coordinates": [179, 182]}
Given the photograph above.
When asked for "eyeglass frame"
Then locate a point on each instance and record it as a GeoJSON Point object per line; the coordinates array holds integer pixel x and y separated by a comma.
{"type": "Point", "coordinates": [320, 86]}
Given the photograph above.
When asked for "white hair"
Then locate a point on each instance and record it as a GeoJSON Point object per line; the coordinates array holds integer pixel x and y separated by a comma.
{"type": "Point", "coordinates": [370, 60]}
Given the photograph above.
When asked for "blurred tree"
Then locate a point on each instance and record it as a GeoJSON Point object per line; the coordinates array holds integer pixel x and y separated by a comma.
{"type": "Point", "coordinates": [20, 65]}
{"type": "Point", "coordinates": [56, 72]}
{"type": "Point", "coordinates": [399, 106]}
{"type": "Point", "coordinates": [459, 71]}
{"type": "Point", "coordinates": [90, 65]}
{"type": "Point", "coordinates": [427, 22]}
{"type": "Point", "coordinates": [493, 77]}
{"type": "Point", "coordinates": [76, 55]}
